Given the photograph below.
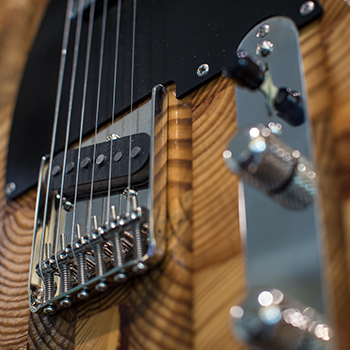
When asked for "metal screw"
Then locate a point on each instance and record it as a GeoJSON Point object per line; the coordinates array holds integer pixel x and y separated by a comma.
{"type": "Point", "coordinates": [203, 70]}
{"type": "Point", "coordinates": [49, 309]}
{"type": "Point", "coordinates": [131, 195]}
{"type": "Point", "coordinates": [118, 156]}
{"type": "Point", "coordinates": [85, 162]}
{"type": "Point", "coordinates": [95, 223]}
{"type": "Point", "coordinates": [63, 238]}
{"type": "Point", "coordinates": [70, 167]}
{"type": "Point", "coordinates": [49, 284]}
{"type": "Point", "coordinates": [306, 8]}
{"type": "Point", "coordinates": [113, 137]}
{"type": "Point", "coordinates": [67, 206]}
{"type": "Point", "coordinates": [83, 294]}
{"type": "Point", "coordinates": [264, 48]}
{"type": "Point", "coordinates": [242, 54]}
{"type": "Point", "coordinates": [140, 268]}
{"type": "Point", "coordinates": [10, 188]}
{"type": "Point", "coordinates": [100, 268]}
{"type": "Point", "coordinates": [135, 151]}
{"type": "Point", "coordinates": [101, 286]}
{"type": "Point", "coordinates": [66, 302]}
{"type": "Point", "coordinates": [79, 231]}
{"type": "Point", "coordinates": [56, 170]}
{"type": "Point", "coordinates": [100, 159]}
{"type": "Point", "coordinates": [120, 277]}
{"type": "Point", "coordinates": [263, 31]}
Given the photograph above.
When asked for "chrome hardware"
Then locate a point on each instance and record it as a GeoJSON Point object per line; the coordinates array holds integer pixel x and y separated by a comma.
{"type": "Point", "coordinates": [203, 70]}
{"type": "Point", "coordinates": [267, 163]}
{"type": "Point", "coordinates": [306, 8]}
{"type": "Point", "coordinates": [10, 188]}
{"type": "Point", "coordinates": [112, 137]}
{"type": "Point", "coordinates": [263, 31]}
{"type": "Point", "coordinates": [291, 258]}
{"type": "Point", "coordinates": [97, 256]}
{"type": "Point", "coordinates": [270, 320]}
{"type": "Point", "coordinates": [264, 48]}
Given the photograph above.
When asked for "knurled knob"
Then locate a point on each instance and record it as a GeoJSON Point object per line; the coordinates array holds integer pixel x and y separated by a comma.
{"type": "Point", "coordinates": [265, 162]}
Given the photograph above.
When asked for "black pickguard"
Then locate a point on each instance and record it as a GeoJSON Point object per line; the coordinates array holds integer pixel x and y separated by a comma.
{"type": "Point", "coordinates": [172, 39]}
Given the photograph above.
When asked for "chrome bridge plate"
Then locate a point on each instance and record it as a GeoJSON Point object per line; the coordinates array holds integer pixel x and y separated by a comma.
{"type": "Point", "coordinates": [283, 248]}
{"type": "Point", "coordinates": [74, 263]}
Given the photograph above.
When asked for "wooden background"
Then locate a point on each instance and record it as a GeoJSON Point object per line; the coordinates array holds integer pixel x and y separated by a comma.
{"type": "Point", "coordinates": [184, 304]}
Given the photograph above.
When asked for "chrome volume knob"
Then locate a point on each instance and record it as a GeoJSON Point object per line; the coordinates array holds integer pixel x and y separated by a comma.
{"type": "Point", "coordinates": [269, 320]}
{"type": "Point", "coordinates": [265, 162]}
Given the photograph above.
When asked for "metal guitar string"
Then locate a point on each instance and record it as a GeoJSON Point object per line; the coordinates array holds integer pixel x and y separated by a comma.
{"type": "Point", "coordinates": [69, 117]}
{"type": "Point", "coordinates": [113, 108]}
{"type": "Point", "coordinates": [103, 34]}
{"type": "Point", "coordinates": [131, 102]}
{"type": "Point", "coordinates": [55, 122]}
{"type": "Point", "coordinates": [82, 118]}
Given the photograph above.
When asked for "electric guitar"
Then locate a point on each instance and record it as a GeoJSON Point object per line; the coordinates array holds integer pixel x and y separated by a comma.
{"type": "Point", "coordinates": [183, 301]}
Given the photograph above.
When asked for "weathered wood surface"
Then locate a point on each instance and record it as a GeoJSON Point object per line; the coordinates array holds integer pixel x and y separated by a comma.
{"type": "Point", "coordinates": [185, 302]}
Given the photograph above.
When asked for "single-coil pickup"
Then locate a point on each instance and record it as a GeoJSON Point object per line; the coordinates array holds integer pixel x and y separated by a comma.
{"type": "Point", "coordinates": [127, 159]}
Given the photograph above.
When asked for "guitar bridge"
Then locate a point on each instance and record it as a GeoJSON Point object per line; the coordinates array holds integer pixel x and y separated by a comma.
{"type": "Point", "coordinates": [74, 256]}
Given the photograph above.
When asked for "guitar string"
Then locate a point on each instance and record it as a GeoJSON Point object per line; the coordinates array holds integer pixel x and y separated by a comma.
{"type": "Point", "coordinates": [65, 39]}
{"type": "Point", "coordinates": [82, 117]}
{"type": "Point", "coordinates": [113, 108]}
{"type": "Point", "coordinates": [69, 118]}
{"type": "Point", "coordinates": [131, 102]}
{"type": "Point", "coordinates": [103, 34]}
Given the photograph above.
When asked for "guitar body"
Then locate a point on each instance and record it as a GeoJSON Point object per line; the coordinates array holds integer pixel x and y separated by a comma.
{"type": "Point", "coordinates": [184, 302]}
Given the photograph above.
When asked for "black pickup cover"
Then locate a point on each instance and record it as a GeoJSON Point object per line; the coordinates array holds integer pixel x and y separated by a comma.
{"type": "Point", "coordinates": [120, 168]}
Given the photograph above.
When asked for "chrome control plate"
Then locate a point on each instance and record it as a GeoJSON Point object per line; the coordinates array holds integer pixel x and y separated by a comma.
{"type": "Point", "coordinates": [283, 247]}
{"type": "Point", "coordinates": [120, 241]}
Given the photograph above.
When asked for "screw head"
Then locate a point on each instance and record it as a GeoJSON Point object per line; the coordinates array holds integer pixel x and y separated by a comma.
{"type": "Point", "coordinates": [203, 70]}
{"type": "Point", "coordinates": [306, 8]}
{"type": "Point", "coordinates": [10, 188]}
{"type": "Point", "coordinates": [263, 31]}
{"type": "Point", "coordinates": [129, 192]}
{"type": "Point", "coordinates": [49, 309]}
{"type": "Point", "coordinates": [140, 268]}
{"type": "Point", "coordinates": [66, 302]}
{"type": "Point", "coordinates": [120, 277]}
{"type": "Point", "coordinates": [101, 286]}
{"type": "Point", "coordinates": [67, 206]}
{"type": "Point", "coordinates": [83, 294]}
{"type": "Point", "coordinates": [113, 137]}
{"type": "Point", "coordinates": [264, 48]}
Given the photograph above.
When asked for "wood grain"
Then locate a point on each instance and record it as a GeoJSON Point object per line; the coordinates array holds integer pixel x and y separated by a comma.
{"type": "Point", "coordinates": [184, 303]}
{"type": "Point", "coordinates": [217, 250]}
